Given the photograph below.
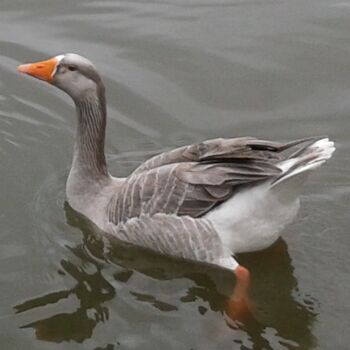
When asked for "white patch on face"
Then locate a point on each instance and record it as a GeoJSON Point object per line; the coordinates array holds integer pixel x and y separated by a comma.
{"type": "Point", "coordinates": [59, 59]}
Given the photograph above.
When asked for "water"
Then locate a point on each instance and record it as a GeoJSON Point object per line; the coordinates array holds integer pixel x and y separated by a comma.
{"type": "Point", "coordinates": [176, 72]}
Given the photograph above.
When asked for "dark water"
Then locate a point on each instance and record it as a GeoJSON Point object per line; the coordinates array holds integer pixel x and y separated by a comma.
{"type": "Point", "coordinates": [176, 72]}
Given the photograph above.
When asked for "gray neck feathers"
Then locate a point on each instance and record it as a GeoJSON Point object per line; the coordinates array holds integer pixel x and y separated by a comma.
{"type": "Point", "coordinates": [89, 157]}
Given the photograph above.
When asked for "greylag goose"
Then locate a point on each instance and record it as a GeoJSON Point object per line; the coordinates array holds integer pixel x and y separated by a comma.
{"type": "Point", "coordinates": [202, 202]}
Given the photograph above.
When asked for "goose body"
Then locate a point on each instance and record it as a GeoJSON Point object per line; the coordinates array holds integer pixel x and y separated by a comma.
{"type": "Point", "coordinates": [202, 202]}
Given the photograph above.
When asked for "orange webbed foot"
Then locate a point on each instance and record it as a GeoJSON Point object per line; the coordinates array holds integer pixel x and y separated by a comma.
{"type": "Point", "coordinates": [239, 306]}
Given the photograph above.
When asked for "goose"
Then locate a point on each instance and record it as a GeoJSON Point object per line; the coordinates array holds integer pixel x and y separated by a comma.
{"type": "Point", "coordinates": [203, 202]}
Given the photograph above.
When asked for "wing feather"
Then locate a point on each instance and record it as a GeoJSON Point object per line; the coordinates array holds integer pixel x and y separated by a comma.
{"type": "Point", "coordinates": [193, 179]}
{"type": "Point", "coordinates": [181, 237]}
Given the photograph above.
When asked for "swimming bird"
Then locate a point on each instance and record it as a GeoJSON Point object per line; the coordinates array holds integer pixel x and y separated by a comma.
{"type": "Point", "coordinates": [202, 202]}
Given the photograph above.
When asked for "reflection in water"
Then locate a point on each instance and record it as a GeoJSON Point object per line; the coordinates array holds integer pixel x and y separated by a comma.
{"type": "Point", "coordinates": [278, 309]}
{"type": "Point", "coordinates": [274, 290]}
{"type": "Point", "coordinates": [91, 289]}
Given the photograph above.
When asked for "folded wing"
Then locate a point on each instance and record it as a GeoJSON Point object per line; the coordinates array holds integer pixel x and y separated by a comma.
{"type": "Point", "coordinates": [192, 180]}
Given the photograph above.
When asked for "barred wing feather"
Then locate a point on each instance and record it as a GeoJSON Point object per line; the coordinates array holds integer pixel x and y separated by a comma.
{"type": "Point", "coordinates": [192, 180]}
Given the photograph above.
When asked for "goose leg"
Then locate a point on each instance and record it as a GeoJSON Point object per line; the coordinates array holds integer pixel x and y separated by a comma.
{"type": "Point", "coordinates": [239, 306]}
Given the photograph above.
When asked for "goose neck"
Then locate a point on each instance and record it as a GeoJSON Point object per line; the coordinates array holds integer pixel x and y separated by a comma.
{"type": "Point", "coordinates": [89, 157]}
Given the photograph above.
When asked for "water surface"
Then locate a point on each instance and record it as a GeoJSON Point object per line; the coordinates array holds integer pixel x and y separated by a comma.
{"type": "Point", "coordinates": [176, 72]}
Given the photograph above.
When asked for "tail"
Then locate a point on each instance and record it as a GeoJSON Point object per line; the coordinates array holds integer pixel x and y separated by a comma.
{"type": "Point", "coordinates": [297, 167]}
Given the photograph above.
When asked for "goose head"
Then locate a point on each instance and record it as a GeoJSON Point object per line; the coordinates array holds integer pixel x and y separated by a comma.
{"type": "Point", "coordinates": [72, 73]}
{"type": "Point", "coordinates": [78, 77]}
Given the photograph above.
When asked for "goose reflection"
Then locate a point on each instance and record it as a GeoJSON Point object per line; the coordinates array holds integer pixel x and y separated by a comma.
{"type": "Point", "coordinates": [91, 290]}
{"type": "Point", "coordinates": [279, 316]}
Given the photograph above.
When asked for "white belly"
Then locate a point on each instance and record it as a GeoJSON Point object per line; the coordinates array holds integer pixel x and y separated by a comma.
{"type": "Point", "coordinates": [253, 218]}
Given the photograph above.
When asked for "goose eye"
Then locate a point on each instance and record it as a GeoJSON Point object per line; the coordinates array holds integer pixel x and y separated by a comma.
{"type": "Point", "coordinates": [72, 68]}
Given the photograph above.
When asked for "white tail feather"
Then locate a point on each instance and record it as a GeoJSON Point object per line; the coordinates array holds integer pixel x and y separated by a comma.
{"type": "Point", "coordinates": [253, 218]}
{"type": "Point", "coordinates": [312, 157]}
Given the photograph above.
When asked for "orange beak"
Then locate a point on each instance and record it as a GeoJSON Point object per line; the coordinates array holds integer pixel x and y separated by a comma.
{"type": "Point", "coordinates": [43, 70]}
